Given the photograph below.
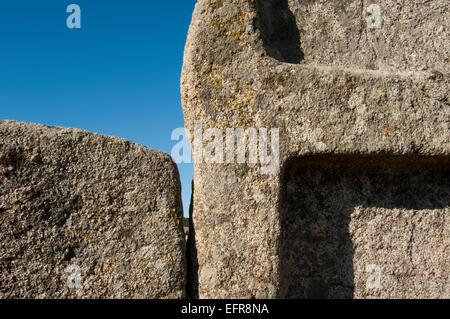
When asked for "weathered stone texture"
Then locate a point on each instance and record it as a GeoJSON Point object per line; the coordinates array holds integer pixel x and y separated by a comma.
{"type": "Point", "coordinates": [104, 204]}
{"type": "Point", "coordinates": [342, 214]}
{"type": "Point", "coordinates": [333, 87]}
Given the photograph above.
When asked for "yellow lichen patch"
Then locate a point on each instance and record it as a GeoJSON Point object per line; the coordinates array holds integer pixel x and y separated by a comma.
{"type": "Point", "coordinates": [232, 29]}
{"type": "Point", "coordinates": [263, 186]}
{"type": "Point", "coordinates": [207, 69]}
{"type": "Point", "coordinates": [241, 15]}
{"type": "Point", "coordinates": [215, 4]}
{"type": "Point", "coordinates": [275, 81]}
{"type": "Point", "coordinates": [388, 129]}
{"type": "Point", "coordinates": [86, 236]}
{"type": "Point", "coordinates": [244, 118]}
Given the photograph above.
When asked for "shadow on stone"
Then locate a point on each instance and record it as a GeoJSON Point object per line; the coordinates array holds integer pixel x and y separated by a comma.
{"type": "Point", "coordinates": [318, 196]}
{"type": "Point", "coordinates": [191, 254]}
{"type": "Point", "coordinates": [279, 31]}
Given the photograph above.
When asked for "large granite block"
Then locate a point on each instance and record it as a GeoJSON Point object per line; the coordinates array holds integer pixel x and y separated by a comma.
{"type": "Point", "coordinates": [87, 216]}
{"type": "Point", "coordinates": [358, 205]}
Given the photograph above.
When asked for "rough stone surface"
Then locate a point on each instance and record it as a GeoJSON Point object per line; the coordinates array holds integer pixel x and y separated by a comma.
{"type": "Point", "coordinates": [334, 87]}
{"type": "Point", "coordinates": [110, 207]}
{"type": "Point", "coordinates": [343, 214]}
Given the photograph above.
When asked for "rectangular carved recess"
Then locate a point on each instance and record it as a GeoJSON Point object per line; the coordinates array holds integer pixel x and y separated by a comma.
{"type": "Point", "coordinates": [365, 226]}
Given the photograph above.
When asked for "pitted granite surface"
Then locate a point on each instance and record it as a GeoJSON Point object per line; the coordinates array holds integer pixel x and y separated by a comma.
{"type": "Point", "coordinates": [334, 86]}
{"type": "Point", "coordinates": [87, 216]}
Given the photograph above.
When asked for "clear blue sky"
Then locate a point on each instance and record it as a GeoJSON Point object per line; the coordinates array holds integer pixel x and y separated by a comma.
{"type": "Point", "coordinates": [117, 75]}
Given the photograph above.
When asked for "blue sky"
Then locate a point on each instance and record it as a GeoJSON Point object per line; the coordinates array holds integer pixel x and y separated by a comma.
{"type": "Point", "coordinates": [117, 75]}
